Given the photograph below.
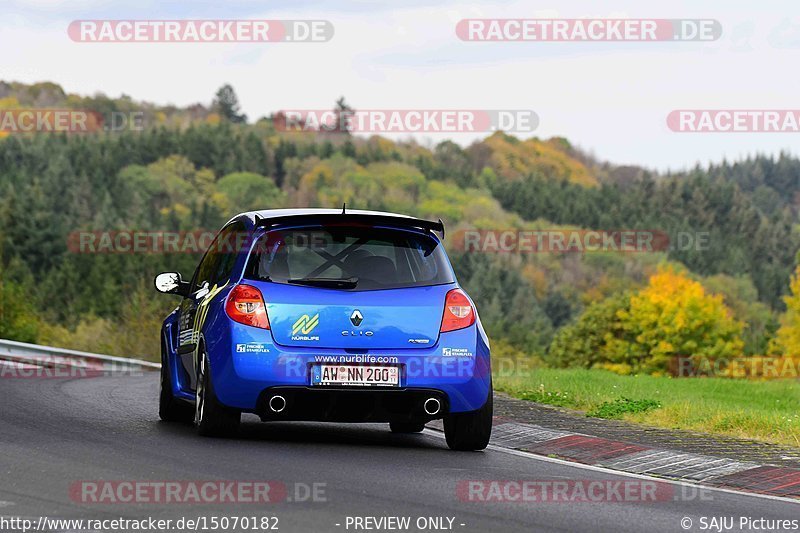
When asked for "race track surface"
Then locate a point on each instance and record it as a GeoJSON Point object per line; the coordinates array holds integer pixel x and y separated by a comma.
{"type": "Point", "coordinates": [55, 433]}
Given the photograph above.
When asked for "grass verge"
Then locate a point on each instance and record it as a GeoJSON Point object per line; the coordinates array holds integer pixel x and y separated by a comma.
{"type": "Point", "coordinates": [768, 411]}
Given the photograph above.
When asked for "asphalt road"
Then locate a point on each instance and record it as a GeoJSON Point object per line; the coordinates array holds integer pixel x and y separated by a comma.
{"type": "Point", "coordinates": [56, 432]}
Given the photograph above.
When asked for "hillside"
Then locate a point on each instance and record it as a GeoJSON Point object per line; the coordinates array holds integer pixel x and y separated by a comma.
{"type": "Point", "coordinates": [193, 174]}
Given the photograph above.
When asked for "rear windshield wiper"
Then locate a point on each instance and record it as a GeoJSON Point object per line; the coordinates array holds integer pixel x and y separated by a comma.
{"type": "Point", "coordinates": [333, 283]}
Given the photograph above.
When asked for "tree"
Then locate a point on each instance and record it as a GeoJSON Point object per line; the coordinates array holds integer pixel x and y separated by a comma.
{"type": "Point", "coordinates": [674, 316]}
{"type": "Point", "coordinates": [248, 191]}
{"type": "Point", "coordinates": [590, 340]}
{"type": "Point", "coordinates": [787, 340]}
{"type": "Point", "coordinates": [741, 297]}
{"type": "Point", "coordinates": [226, 103]}
{"type": "Point", "coordinates": [17, 320]}
{"type": "Point", "coordinates": [342, 111]}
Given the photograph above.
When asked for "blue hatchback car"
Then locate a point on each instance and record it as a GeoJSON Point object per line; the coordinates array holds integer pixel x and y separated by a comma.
{"type": "Point", "coordinates": [326, 315]}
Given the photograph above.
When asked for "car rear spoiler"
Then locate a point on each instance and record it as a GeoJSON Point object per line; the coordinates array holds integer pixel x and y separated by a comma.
{"type": "Point", "coordinates": [352, 218]}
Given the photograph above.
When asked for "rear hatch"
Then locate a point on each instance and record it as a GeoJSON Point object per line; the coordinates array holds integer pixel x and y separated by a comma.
{"type": "Point", "coordinates": [350, 285]}
{"type": "Point", "coordinates": [405, 318]}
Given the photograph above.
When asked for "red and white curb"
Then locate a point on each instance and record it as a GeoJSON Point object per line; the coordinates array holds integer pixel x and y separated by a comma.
{"type": "Point", "coordinates": [639, 459]}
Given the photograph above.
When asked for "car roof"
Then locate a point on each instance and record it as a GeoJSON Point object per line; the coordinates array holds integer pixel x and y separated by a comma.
{"type": "Point", "coordinates": [268, 217]}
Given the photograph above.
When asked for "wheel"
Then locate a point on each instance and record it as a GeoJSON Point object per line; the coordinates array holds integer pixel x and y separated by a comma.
{"type": "Point", "coordinates": [212, 418]}
{"type": "Point", "coordinates": [470, 431]}
{"type": "Point", "coordinates": [170, 409]}
{"type": "Point", "coordinates": [406, 427]}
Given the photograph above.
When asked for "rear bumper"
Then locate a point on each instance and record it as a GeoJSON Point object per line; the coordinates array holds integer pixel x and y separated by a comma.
{"type": "Point", "coordinates": [247, 367]}
{"type": "Point", "coordinates": [351, 404]}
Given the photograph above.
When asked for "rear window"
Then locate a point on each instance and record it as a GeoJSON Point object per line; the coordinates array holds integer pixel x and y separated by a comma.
{"type": "Point", "coordinates": [362, 258]}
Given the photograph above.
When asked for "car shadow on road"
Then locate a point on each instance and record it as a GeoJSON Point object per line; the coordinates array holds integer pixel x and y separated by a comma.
{"type": "Point", "coordinates": [316, 433]}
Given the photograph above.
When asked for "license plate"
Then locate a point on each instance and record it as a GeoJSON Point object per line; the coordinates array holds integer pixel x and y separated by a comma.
{"type": "Point", "coordinates": [361, 376]}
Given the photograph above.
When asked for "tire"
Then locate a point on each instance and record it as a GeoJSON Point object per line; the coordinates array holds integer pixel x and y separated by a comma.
{"type": "Point", "coordinates": [170, 409]}
{"type": "Point", "coordinates": [470, 431]}
{"type": "Point", "coordinates": [406, 427]}
{"type": "Point", "coordinates": [211, 418]}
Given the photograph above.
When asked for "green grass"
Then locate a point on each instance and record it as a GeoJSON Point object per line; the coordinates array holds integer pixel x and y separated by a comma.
{"type": "Point", "coordinates": [619, 407]}
{"type": "Point", "coordinates": [763, 410]}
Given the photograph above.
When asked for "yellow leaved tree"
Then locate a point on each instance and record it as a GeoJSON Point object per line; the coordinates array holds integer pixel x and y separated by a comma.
{"type": "Point", "coordinates": [787, 340]}
{"type": "Point", "coordinates": [675, 316]}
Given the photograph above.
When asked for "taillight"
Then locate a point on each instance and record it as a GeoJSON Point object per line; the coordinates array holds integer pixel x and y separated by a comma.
{"type": "Point", "coordinates": [458, 311]}
{"type": "Point", "coordinates": [246, 306]}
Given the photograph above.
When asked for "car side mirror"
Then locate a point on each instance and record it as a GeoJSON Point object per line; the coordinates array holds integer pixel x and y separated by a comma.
{"type": "Point", "coordinates": [171, 283]}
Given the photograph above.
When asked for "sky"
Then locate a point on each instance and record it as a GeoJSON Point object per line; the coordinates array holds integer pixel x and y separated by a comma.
{"type": "Point", "coordinates": [610, 99]}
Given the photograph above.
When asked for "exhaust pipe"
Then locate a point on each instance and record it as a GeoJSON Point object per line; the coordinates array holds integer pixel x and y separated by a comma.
{"type": "Point", "coordinates": [277, 404]}
{"type": "Point", "coordinates": [432, 406]}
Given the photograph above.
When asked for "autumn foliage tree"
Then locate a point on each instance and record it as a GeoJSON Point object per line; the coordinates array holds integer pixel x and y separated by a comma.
{"type": "Point", "coordinates": [672, 316]}
{"type": "Point", "coordinates": [675, 316]}
{"type": "Point", "coordinates": [787, 341]}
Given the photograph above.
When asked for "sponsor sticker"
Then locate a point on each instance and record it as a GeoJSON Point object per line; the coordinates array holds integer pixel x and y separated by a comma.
{"type": "Point", "coordinates": [303, 326]}
{"type": "Point", "coordinates": [456, 352]}
{"type": "Point", "coordinates": [252, 347]}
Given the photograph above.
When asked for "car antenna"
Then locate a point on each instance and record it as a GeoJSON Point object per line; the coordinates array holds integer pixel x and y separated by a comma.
{"type": "Point", "coordinates": [343, 206]}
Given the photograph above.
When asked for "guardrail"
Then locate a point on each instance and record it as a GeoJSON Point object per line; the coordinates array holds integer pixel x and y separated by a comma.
{"type": "Point", "coordinates": [35, 354]}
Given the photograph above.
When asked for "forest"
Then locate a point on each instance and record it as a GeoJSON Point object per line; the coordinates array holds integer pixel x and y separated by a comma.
{"type": "Point", "coordinates": [191, 169]}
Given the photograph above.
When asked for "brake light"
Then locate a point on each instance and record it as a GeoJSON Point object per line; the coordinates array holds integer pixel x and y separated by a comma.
{"type": "Point", "coordinates": [246, 306]}
{"type": "Point", "coordinates": [458, 311]}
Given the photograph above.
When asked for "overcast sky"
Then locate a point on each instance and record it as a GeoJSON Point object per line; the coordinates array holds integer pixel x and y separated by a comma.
{"type": "Point", "coordinates": [611, 99]}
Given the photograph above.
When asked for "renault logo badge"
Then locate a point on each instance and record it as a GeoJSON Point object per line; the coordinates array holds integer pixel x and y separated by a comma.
{"type": "Point", "coordinates": [356, 318]}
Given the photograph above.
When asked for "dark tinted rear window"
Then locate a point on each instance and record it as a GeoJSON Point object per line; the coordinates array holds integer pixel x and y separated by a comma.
{"type": "Point", "coordinates": [378, 258]}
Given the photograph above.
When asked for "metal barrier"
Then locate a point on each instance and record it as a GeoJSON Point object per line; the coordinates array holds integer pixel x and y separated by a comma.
{"type": "Point", "coordinates": [35, 354]}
